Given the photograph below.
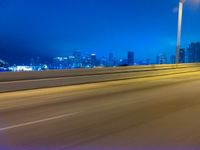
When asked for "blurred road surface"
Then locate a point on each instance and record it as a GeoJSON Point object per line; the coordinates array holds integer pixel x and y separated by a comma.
{"type": "Point", "coordinates": [155, 113]}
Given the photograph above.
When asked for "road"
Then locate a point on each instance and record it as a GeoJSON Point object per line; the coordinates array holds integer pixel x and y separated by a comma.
{"type": "Point", "coordinates": [154, 113]}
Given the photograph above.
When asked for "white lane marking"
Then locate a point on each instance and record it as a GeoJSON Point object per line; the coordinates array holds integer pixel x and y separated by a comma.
{"type": "Point", "coordinates": [37, 121]}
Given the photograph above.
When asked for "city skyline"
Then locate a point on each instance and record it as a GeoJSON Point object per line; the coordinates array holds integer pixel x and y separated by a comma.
{"type": "Point", "coordinates": [184, 53]}
{"type": "Point", "coordinates": [190, 54]}
{"type": "Point", "coordinates": [57, 28]}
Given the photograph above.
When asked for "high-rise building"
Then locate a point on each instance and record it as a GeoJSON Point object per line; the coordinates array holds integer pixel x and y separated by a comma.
{"type": "Point", "coordinates": [161, 59]}
{"type": "Point", "coordinates": [182, 55]}
{"type": "Point", "coordinates": [77, 59]}
{"type": "Point", "coordinates": [103, 62]}
{"type": "Point", "coordinates": [131, 58]}
{"type": "Point", "coordinates": [194, 52]}
{"type": "Point", "coordinates": [93, 60]}
{"type": "Point", "coordinates": [77, 54]}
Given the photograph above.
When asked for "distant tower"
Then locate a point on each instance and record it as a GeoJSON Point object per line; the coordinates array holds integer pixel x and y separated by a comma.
{"type": "Point", "coordinates": [77, 59]}
{"type": "Point", "coordinates": [77, 54]}
{"type": "Point", "coordinates": [182, 55]}
{"type": "Point", "coordinates": [93, 60]}
{"type": "Point", "coordinates": [194, 53]}
{"type": "Point", "coordinates": [130, 58]}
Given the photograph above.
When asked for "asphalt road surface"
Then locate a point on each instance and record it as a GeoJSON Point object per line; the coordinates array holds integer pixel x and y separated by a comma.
{"type": "Point", "coordinates": [155, 113]}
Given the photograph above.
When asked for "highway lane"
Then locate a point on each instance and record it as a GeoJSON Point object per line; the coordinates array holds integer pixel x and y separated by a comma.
{"type": "Point", "coordinates": [149, 113]}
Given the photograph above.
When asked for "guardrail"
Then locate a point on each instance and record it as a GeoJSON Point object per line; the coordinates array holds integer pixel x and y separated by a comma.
{"type": "Point", "coordinates": [14, 81]}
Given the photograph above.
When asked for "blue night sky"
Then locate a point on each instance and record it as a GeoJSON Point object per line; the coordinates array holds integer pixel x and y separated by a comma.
{"type": "Point", "coordinates": [48, 28]}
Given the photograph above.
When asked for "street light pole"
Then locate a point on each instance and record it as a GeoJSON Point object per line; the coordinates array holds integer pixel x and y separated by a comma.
{"type": "Point", "coordinates": [180, 14]}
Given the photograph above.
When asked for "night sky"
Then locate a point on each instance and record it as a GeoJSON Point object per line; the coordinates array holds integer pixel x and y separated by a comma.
{"type": "Point", "coordinates": [46, 28]}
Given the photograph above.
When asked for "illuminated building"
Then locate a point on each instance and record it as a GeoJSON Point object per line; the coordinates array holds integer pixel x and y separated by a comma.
{"type": "Point", "coordinates": [130, 58]}
{"type": "Point", "coordinates": [194, 52]}
{"type": "Point", "coordinates": [93, 60]}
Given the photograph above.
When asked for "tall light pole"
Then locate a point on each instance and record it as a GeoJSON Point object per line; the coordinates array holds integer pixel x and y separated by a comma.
{"type": "Point", "coordinates": [180, 14]}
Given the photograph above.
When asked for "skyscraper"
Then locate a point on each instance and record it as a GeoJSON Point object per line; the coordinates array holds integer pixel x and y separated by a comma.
{"type": "Point", "coordinates": [131, 58]}
{"type": "Point", "coordinates": [194, 52]}
{"type": "Point", "coordinates": [93, 60]}
{"type": "Point", "coordinates": [182, 55]}
{"type": "Point", "coordinates": [77, 59]}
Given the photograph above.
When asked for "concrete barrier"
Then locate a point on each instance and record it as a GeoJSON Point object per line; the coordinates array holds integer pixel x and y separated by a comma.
{"type": "Point", "coordinates": [16, 76]}
{"type": "Point", "coordinates": [46, 79]}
